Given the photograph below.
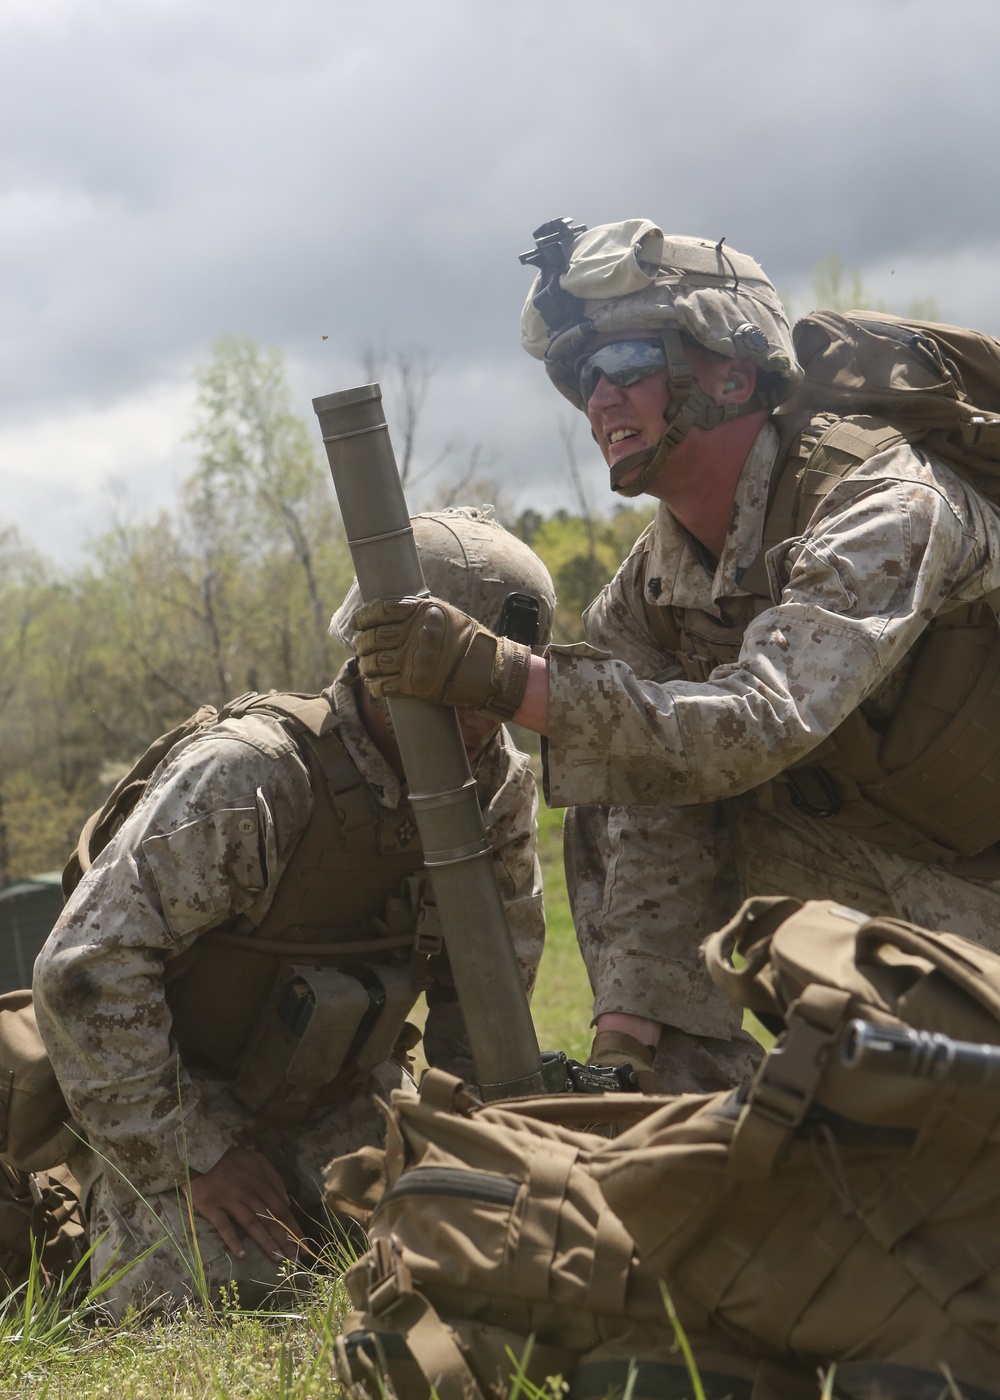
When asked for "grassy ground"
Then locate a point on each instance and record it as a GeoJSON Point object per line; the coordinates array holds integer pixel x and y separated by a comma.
{"type": "Point", "coordinates": [236, 1357]}
{"type": "Point", "coordinates": [230, 1356]}
{"type": "Point", "coordinates": [562, 1002]}
{"type": "Point", "coordinates": [227, 1356]}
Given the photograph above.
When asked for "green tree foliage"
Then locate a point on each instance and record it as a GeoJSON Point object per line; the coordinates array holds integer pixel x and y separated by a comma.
{"type": "Point", "coordinates": [582, 553]}
{"type": "Point", "coordinates": [259, 506]}
{"type": "Point", "coordinates": [30, 714]}
{"type": "Point", "coordinates": [840, 289]}
{"type": "Point", "coordinates": [230, 592]}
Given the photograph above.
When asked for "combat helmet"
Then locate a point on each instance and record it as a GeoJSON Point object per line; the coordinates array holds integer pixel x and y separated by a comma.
{"type": "Point", "coordinates": [471, 561]}
{"type": "Point", "coordinates": [597, 286]}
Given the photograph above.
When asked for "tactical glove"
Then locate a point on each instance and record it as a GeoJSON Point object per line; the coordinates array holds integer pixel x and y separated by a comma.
{"type": "Point", "coordinates": [617, 1048]}
{"type": "Point", "coordinates": [428, 650]}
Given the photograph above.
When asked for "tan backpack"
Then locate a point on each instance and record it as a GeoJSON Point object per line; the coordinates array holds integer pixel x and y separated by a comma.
{"type": "Point", "coordinates": [818, 1217]}
{"type": "Point", "coordinates": [928, 784]}
{"type": "Point", "coordinates": [40, 1216]}
{"type": "Point", "coordinates": [829, 1214]}
{"type": "Point", "coordinates": [938, 385]}
{"type": "Point", "coordinates": [34, 1128]}
{"type": "Point", "coordinates": [493, 1255]}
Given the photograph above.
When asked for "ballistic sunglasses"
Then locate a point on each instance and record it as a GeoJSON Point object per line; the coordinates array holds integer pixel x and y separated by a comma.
{"type": "Point", "coordinates": [622, 363]}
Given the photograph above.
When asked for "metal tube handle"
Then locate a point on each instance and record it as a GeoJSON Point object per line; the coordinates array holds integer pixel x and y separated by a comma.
{"type": "Point", "coordinates": [900, 1050]}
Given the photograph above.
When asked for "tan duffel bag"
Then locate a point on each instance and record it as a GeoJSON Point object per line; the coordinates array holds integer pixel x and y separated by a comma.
{"type": "Point", "coordinates": [831, 1214]}
{"type": "Point", "coordinates": [819, 1218]}
{"type": "Point", "coordinates": [39, 1198]}
{"type": "Point", "coordinates": [493, 1253]}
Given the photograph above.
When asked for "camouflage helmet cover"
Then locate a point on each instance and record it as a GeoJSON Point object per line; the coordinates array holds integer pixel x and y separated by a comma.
{"type": "Point", "coordinates": [630, 276]}
{"type": "Point", "coordinates": [471, 561]}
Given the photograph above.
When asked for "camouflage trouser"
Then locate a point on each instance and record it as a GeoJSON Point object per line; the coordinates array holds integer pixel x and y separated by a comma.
{"type": "Point", "coordinates": [123, 1226]}
{"type": "Point", "coordinates": [647, 885]}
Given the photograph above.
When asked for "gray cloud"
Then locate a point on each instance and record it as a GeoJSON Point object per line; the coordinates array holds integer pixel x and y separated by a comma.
{"type": "Point", "coordinates": [178, 169]}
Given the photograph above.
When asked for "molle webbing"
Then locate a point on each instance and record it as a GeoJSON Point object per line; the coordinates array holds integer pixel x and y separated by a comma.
{"type": "Point", "coordinates": [337, 904]}
{"type": "Point", "coordinates": [819, 453]}
{"type": "Point", "coordinates": [808, 1239]}
{"type": "Point", "coordinates": [354, 854]}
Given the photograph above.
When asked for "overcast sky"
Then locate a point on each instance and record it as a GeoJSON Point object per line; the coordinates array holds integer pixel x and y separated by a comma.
{"type": "Point", "coordinates": [172, 170]}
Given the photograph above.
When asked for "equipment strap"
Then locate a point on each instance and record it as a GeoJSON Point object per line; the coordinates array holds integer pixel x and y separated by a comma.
{"type": "Point", "coordinates": [317, 724]}
{"type": "Point", "coordinates": [444, 1091]}
{"type": "Point", "coordinates": [804, 473]}
{"type": "Point", "coordinates": [433, 1347]}
{"type": "Point", "coordinates": [535, 1247]}
{"type": "Point", "coordinates": [787, 1081]}
{"type": "Point", "coordinates": [610, 1266]}
{"type": "Point", "coordinates": [400, 1309]}
{"type": "Point", "coordinates": [282, 948]}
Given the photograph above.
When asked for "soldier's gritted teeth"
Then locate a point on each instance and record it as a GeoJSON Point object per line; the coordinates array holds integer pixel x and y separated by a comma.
{"type": "Point", "coordinates": [630, 419]}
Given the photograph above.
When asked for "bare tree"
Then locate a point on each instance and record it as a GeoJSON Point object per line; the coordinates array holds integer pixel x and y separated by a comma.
{"type": "Point", "coordinates": [412, 372]}
{"type": "Point", "coordinates": [567, 433]}
{"type": "Point", "coordinates": [253, 451]}
{"type": "Point", "coordinates": [407, 376]}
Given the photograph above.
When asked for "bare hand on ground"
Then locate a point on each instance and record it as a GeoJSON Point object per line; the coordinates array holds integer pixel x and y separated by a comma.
{"type": "Point", "coordinates": [244, 1193]}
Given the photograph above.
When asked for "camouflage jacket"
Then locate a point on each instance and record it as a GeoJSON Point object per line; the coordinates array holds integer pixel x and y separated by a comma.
{"type": "Point", "coordinates": [99, 980]}
{"type": "Point", "coordinates": [893, 544]}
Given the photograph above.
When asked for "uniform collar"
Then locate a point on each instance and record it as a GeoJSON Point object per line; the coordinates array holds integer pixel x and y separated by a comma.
{"type": "Point", "coordinates": [368, 760]}
{"type": "Point", "coordinates": [678, 570]}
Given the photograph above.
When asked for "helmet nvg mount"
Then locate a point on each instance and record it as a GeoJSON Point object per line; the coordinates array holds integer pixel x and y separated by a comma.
{"type": "Point", "coordinates": [630, 280]}
{"type": "Point", "coordinates": [471, 561]}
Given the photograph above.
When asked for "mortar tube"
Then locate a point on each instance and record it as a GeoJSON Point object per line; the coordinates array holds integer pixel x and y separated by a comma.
{"type": "Point", "coordinates": [457, 851]}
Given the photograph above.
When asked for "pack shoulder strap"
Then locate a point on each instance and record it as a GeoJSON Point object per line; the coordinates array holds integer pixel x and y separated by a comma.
{"type": "Point", "coordinates": [314, 720]}
{"type": "Point", "coordinates": [816, 452]}
{"type": "Point", "coordinates": [845, 445]}
{"type": "Point", "coordinates": [102, 824]}
{"type": "Point", "coordinates": [311, 714]}
{"type": "Point", "coordinates": [311, 717]}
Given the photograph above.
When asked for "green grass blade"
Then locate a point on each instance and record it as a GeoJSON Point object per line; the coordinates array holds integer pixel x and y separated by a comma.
{"type": "Point", "coordinates": [683, 1343]}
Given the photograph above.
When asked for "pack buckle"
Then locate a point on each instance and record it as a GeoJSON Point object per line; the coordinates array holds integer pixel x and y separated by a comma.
{"type": "Point", "coordinates": [389, 1279]}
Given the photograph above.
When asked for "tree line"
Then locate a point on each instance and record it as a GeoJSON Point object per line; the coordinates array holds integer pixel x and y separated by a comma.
{"type": "Point", "coordinates": [232, 590]}
{"type": "Point", "coordinates": [229, 591]}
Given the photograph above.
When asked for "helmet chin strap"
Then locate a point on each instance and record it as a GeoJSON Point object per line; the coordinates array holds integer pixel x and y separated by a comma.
{"type": "Point", "coordinates": [689, 407]}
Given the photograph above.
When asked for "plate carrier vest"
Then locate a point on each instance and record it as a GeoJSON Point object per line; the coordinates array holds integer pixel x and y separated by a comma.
{"type": "Point", "coordinates": [928, 782]}
{"type": "Point", "coordinates": [346, 902]}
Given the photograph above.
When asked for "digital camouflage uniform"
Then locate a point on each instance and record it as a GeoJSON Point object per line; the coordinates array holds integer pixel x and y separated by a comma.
{"type": "Point", "coordinates": [708, 680]}
{"type": "Point", "coordinates": [100, 982]}
{"type": "Point", "coordinates": [690, 826]}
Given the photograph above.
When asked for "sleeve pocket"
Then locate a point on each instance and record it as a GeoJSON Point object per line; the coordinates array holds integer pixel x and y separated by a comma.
{"type": "Point", "coordinates": [213, 868]}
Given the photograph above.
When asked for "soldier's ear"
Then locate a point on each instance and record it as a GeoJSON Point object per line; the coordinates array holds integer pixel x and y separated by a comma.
{"type": "Point", "coordinates": [737, 380]}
